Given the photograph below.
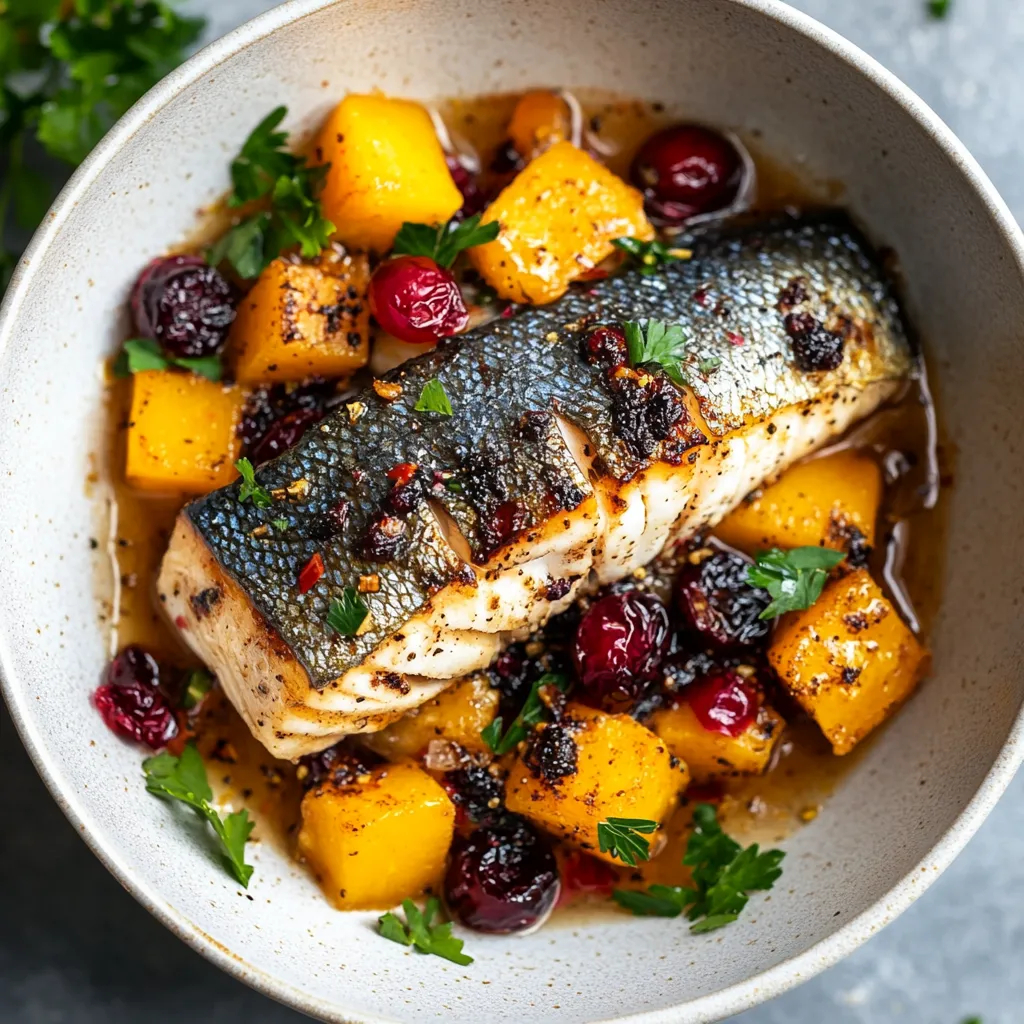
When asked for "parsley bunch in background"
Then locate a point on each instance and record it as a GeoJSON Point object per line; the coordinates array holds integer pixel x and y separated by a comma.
{"type": "Point", "coordinates": [68, 70]}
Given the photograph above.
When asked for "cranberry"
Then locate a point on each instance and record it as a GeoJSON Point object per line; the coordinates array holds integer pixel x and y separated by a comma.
{"type": "Point", "coordinates": [620, 644]}
{"type": "Point", "coordinates": [266, 405]}
{"type": "Point", "coordinates": [283, 434]}
{"type": "Point", "coordinates": [501, 877]}
{"type": "Point", "coordinates": [723, 702]}
{"type": "Point", "coordinates": [473, 200]}
{"type": "Point", "coordinates": [478, 795]}
{"type": "Point", "coordinates": [719, 604]}
{"type": "Point", "coordinates": [686, 170]}
{"type": "Point", "coordinates": [130, 700]}
{"type": "Point", "coordinates": [185, 305]}
{"type": "Point", "coordinates": [583, 874]}
{"type": "Point", "coordinates": [341, 764]}
{"type": "Point", "coordinates": [605, 346]}
{"type": "Point", "coordinates": [385, 538]}
{"type": "Point", "coordinates": [416, 300]}
{"type": "Point", "coordinates": [815, 347]}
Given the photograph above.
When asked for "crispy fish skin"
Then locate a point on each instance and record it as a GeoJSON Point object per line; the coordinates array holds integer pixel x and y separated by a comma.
{"type": "Point", "coordinates": [546, 478]}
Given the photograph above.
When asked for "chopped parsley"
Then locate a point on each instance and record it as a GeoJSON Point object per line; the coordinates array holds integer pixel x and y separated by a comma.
{"type": "Point", "coordinates": [624, 838]}
{"type": "Point", "coordinates": [650, 257]}
{"type": "Point", "coordinates": [708, 364]}
{"type": "Point", "coordinates": [939, 8]}
{"type": "Point", "coordinates": [184, 778]}
{"type": "Point", "coordinates": [140, 354]}
{"type": "Point", "coordinates": [663, 344]}
{"type": "Point", "coordinates": [280, 524]}
{"type": "Point", "coordinates": [197, 685]}
{"type": "Point", "coordinates": [443, 242]}
{"type": "Point", "coordinates": [346, 614]}
{"type": "Point", "coordinates": [531, 714]}
{"type": "Point", "coordinates": [266, 172]}
{"type": "Point", "coordinates": [434, 398]}
{"type": "Point", "coordinates": [723, 874]}
{"type": "Point", "coordinates": [794, 578]}
{"type": "Point", "coordinates": [248, 488]}
{"type": "Point", "coordinates": [420, 932]}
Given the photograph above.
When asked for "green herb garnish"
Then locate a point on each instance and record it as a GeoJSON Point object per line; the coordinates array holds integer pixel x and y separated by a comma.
{"type": "Point", "coordinates": [664, 344]}
{"type": "Point", "coordinates": [708, 364]}
{"type": "Point", "coordinates": [263, 171]}
{"type": "Point", "coordinates": [248, 488]}
{"type": "Point", "coordinates": [419, 931]}
{"type": "Point", "coordinates": [433, 398]}
{"type": "Point", "coordinates": [650, 257]}
{"type": "Point", "coordinates": [939, 8]}
{"type": "Point", "coordinates": [346, 614]}
{"type": "Point", "coordinates": [622, 838]}
{"type": "Point", "coordinates": [443, 242]}
{"type": "Point", "coordinates": [280, 524]}
{"type": "Point", "coordinates": [723, 874]}
{"type": "Point", "coordinates": [184, 778]}
{"type": "Point", "coordinates": [197, 685]}
{"type": "Point", "coordinates": [533, 712]}
{"type": "Point", "coordinates": [793, 578]}
{"type": "Point", "coordinates": [140, 354]}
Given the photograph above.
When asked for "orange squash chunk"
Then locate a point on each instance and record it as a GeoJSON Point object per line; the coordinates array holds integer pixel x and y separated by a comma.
{"type": "Point", "coordinates": [848, 659]}
{"type": "Point", "coordinates": [303, 320]}
{"type": "Point", "coordinates": [558, 218]}
{"type": "Point", "coordinates": [182, 433]}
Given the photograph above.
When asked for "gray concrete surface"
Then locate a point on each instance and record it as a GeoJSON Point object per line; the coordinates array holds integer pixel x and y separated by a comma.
{"type": "Point", "coordinates": [75, 948]}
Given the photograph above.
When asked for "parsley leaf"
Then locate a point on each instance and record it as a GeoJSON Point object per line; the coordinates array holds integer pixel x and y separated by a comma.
{"type": "Point", "coordinates": [650, 256]}
{"type": "Point", "coordinates": [708, 364]}
{"type": "Point", "coordinates": [621, 837]}
{"type": "Point", "coordinates": [939, 8]}
{"type": "Point", "coordinates": [184, 778]}
{"type": "Point", "coordinates": [794, 578]}
{"type": "Point", "coordinates": [420, 931]}
{"type": "Point", "coordinates": [261, 160]}
{"type": "Point", "coordinates": [197, 685]}
{"type": "Point", "coordinates": [723, 874]}
{"type": "Point", "coordinates": [443, 242]}
{"type": "Point", "coordinates": [141, 354]}
{"type": "Point", "coordinates": [346, 614]}
{"type": "Point", "coordinates": [664, 344]}
{"type": "Point", "coordinates": [249, 488]}
{"type": "Point", "coordinates": [531, 714]}
{"type": "Point", "coordinates": [280, 524]}
{"type": "Point", "coordinates": [434, 398]}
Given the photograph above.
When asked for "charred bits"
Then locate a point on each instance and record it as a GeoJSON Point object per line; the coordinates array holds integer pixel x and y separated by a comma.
{"type": "Point", "coordinates": [552, 752]}
{"type": "Point", "coordinates": [815, 347]}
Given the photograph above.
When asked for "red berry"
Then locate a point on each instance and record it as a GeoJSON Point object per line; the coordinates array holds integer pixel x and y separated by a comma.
{"type": "Point", "coordinates": [687, 170]}
{"type": "Point", "coordinates": [719, 604]}
{"type": "Point", "coordinates": [185, 305]}
{"type": "Point", "coordinates": [583, 874]}
{"type": "Point", "coordinates": [131, 703]}
{"type": "Point", "coordinates": [283, 434]}
{"type": "Point", "coordinates": [478, 795]}
{"type": "Point", "coordinates": [416, 300]}
{"type": "Point", "coordinates": [620, 644]}
{"type": "Point", "coordinates": [501, 877]}
{"type": "Point", "coordinates": [605, 346]}
{"type": "Point", "coordinates": [723, 702]}
{"type": "Point", "coordinates": [473, 200]}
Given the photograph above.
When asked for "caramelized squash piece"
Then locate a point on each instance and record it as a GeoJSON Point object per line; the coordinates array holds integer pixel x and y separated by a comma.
{"type": "Point", "coordinates": [848, 659]}
{"type": "Point", "coordinates": [373, 843]}
{"type": "Point", "coordinates": [540, 119]}
{"type": "Point", "coordinates": [622, 771]}
{"type": "Point", "coordinates": [814, 503]}
{"type": "Point", "coordinates": [304, 320]}
{"type": "Point", "coordinates": [558, 218]}
{"type": "Point", "coordinates": [714, 755]}
{"type": "Point", "coordinates": [182, 433]}
{"type": "Point", "coordinates": [457, 714]}
{"type": "Point", "coordinates": [387, 167]}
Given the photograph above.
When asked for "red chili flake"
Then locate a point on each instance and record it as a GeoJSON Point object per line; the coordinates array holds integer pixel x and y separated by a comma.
{"type": "Point", "coordinates": [700, 296]}
{"type": "Point", "coordinates": [181, 622]}
{"type": "Point", "coordinates": [583, 874]}
{"type": "Point", "coordinates": [311, 573]}
{"type": "Point", "coordinates": [735, 339]}
{"type": "Point", "coordinates": [594, 274]}
{"type": "Point", "coordinates": [507, 312]}
{"type": "Point", "coordinates": [402, 473]}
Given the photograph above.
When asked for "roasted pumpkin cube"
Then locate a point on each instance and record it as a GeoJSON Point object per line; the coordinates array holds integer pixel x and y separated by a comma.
{"type": "Point", "coordinates": [622, 771]}
{"type": "Point", "coordinates": [387, 167]}
{"type": "Point", "coordinates": [848, 659]}
{"type": "Point", "coordinates": [710, 754]}
{"type": "Point", "coordinates": [304, 320]}
{"type": "Point", "coordinates": [822, 501]}
{"type": "Point", "coordinates": [182, 433]}
{"type": "Point", "coordinates": [372, 843]}
{"type": "Point", "coordinates": [457, 714]}
{"type": "Point", "coordinates": [558, 218]}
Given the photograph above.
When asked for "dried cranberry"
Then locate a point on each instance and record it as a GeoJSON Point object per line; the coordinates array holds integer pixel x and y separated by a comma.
{"type": "Point", "coordinates": [686, 170]}
{"type": "Point", "coordinates": [620, 644]}
{"type": "Point", "coordinates": [723, 702]}
{"type": "Point", "coordinates": [283, 434]}
{"type": "Point", "coordinates": [605, 346]}
{"type": "Point", "coordinates": [130, 700]}
{"type": "Point", "coordinates": [814, 346]}
{"type": "Point", "coordinates": [341, 764]}
{"type": "Point", "coordinates": [501, 877]}
{"type": "Point", "coordinates": [184, 304]}
{"type": "Point", "coordinates": [267, 406]}
{"type": "Point", "coordinates": [583, 874]}
{"type": "Point", "coordinates": [416, 300]}
{"type": "Point", "coordinates": [478, 795]}
{"type": "Point", "coordinates": [718, 603]}
{"type": "Point", "coordinates": [473, 200]}
{"type": "Point", "coordinates": [644, 415]}
{"type": "Point", "coordinates": [384, 539]}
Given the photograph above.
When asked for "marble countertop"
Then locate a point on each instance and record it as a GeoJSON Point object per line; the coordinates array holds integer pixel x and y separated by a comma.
{"type": "Point", "coordinates": [74, 947]}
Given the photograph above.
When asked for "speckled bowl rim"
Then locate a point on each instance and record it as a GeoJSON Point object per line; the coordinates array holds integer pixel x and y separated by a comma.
{"type": "Point", "coordinates": [717, 1005]}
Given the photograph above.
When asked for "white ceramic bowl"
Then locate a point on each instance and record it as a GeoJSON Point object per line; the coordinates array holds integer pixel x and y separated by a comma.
{"type": "Point", "coordinates": [751, 65]}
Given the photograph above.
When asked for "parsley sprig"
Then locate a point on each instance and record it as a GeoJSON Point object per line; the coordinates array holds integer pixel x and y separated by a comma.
{"type": "Point", "coordinates": [434, 398]}
{"type": "Point", "coordinates": [139, 354]}
{"type": "Point", "coordinates": [723, 874]}
{"type": "Point", "coordinates": [420, 931]}
{"type": "Point", "coordinates": [794, 578]}
{"type": "Point", "coordinates": [346, 614]}
{"type": "Point", "coordinates": [248, 488]}
{"type": "Point", "coordinates": [443, 242]}
{"type": "Point", "coordinates": [661, 343]}
{"type": "Point", "coordinates": [533, 712]}
{"type": "Point", "coordinates": [265, 171]}
{"type": "Point", "coordinates": [184, 779]}
{"type": "Point", "coordinates": [624, 838]}
{"type": "Point", "coordinates": [651, 256]}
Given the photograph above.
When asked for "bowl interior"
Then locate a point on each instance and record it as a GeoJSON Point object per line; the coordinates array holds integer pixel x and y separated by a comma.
{"type": "Point", "coordinates": [744, 66]}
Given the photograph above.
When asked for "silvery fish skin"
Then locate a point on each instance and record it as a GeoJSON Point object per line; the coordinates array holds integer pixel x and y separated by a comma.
{"type": "Point", "coordinates": [552, 475]}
